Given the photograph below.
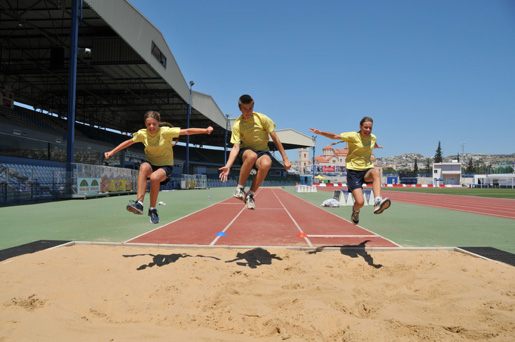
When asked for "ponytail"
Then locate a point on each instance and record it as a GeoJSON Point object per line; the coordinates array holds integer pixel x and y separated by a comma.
{"type": "Point", "coordinates": [161, 123]}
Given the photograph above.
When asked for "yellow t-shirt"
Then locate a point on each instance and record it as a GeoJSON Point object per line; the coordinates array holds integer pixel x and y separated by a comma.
{"type": "Point", "coordinates": [158, 147]}
{"type": "Point", "coordinates": [252, 133]}
{"type": "Point", "coordinates": [360, 150]}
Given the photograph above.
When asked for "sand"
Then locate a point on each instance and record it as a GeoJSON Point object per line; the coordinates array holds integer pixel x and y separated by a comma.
{"type": "Point", "coordinates": [106, 293]}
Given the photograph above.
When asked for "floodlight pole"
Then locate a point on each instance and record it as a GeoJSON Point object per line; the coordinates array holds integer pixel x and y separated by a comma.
{"type": "Point", "coordinates": [187, 164]}
{"type": "Point", "coordinates": [72, 83]}
{"type": "Point", "coordinates": [226, 131]}
{"type": "Point", "coordinates": [314, 143]}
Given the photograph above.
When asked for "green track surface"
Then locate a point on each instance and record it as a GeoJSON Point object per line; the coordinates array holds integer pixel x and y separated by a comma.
{"type": "Point", "coordinates": [412, 225]}
{"type": "Point", "coordinates": [105, 219]}
{"type": "Point", "coordinates": [99, 219]}
{"type": "Point", "coordinates": [494, 193]}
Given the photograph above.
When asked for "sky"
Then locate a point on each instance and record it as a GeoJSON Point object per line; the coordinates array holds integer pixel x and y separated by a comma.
{"type": "Point", "coordinates": [425, 71]}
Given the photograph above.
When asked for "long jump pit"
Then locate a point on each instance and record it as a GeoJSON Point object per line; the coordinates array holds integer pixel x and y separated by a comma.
{"type": "Point", "coordinates": [122, 292]}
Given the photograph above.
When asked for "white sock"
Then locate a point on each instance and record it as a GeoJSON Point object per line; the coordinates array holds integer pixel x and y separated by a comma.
{"type": "Point", "coordinates": [250, 193]}
{"type": "Point", "coordinates": [378, 199]}
{"type": "Point", "coordinates": [140, 203]}
{"type": "Point", "coordinates": [152, 208]}
{"type": "Point", "coordinates": [242, 187]}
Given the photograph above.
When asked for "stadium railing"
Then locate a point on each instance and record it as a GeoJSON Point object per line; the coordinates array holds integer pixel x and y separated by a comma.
{"type": "Point", "coordinates": [21, 183]}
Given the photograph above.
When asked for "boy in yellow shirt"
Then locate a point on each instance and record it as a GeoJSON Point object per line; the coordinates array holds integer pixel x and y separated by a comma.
{"type": "Point", "coordinates": [250, 135]}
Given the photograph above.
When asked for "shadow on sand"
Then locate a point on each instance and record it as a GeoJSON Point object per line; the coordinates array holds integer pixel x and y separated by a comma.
{"type": "Point", "coordinates": [352, 251]}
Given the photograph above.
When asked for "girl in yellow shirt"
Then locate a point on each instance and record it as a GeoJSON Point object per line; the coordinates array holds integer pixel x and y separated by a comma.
{"type": "Point", "coordinates": [158, 165]}
{"type": "Point", "coordinates": [360, 168]}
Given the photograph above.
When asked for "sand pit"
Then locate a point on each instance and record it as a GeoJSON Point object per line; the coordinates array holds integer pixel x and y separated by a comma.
{"type": "Point", "coordinates": [104, 293]}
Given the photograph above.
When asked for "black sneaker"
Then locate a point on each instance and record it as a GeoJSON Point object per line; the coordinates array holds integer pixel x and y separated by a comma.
{"type": "Point", "coordinates": [249, 201]}
{"type": "Point", "coordinates": [355, 217]}
{"type": "Point", "coordinates": [382, 206]}
{"type": "Point", "coordinates": [239, 194]}
{"type": "Point", "coordinates": [154, 218]}
{"type": "Point", "coordinates": [135, 207]}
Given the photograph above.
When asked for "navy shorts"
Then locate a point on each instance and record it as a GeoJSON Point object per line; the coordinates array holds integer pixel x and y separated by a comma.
{"type": "Point", "coordinates": [168, 169]}
{"type": "Point", "coordinates": [259, 155]}
{"type": "Point", "coordinates": [355, 179]}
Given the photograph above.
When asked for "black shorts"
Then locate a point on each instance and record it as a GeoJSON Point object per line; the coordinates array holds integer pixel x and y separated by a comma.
{"type": "Point", "coordinates": [259, 155]}
{"type": "Point", "coordinates": [355, 179]}
{"type": "Point", "coordinates": [168, 169]}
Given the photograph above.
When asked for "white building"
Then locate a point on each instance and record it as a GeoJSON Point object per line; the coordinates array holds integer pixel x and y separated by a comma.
{"type": "Point", "coordinates": [447, 173]}
{"type": "Point", "coordinates": [499, 180]}
{"type": "Point", "coordinates": [303, 160]}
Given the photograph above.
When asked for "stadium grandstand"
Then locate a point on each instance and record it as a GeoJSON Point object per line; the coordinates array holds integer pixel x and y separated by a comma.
{"type": "Point", "coordinates": [76, 78]}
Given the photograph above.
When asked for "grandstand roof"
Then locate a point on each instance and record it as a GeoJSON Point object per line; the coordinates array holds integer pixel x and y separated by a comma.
{"type": "Point", "coordinates": [130, 69]}
{"type": "Point", "coordinates": [293, 139]}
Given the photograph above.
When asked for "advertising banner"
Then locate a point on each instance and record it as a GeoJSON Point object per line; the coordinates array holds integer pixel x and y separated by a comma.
{"type": "Point", "coordinates": [88, 186]}
{"type": "Point", "coordinates": [111, 185]}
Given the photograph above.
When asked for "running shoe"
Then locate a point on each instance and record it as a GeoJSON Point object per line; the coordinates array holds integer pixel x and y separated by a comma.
{"type": "Point", "coordinates": [355, 216]}
{"type": "Point", "coordinates": [249, 200]}
{"type": "Point", "coordinates": [154, 218]}
{"type": "Point", "coordinates": [382, 205]}
{"type": "Point", "coordinates": [135, 207]}
{"type": "Point", "coordinates": [239, 194]}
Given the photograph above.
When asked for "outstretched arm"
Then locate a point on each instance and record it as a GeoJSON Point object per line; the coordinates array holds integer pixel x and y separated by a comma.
{"type": "Point", "coordinates": [377, 146]}
{"type": "Point", "coordinates": [120, 147]}
{"type": "Point", "coordinates": [326, 134]}
{"type": "Point", "coordinates": [227, 167]}
{"type": "Point", "coordinates": [279, 145]}
{"type": "Point", "coordinates": [192, 131]}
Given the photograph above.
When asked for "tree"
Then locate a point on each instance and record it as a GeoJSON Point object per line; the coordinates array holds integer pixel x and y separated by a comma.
{"type": "Point", "coordinates": [470, 167]}
{"type": "Point", "coordinates": [438, 155]}
{"type": "Point", "coordinates": [415, 167]}
{"type": "Point", "coordinates": [429, 169]}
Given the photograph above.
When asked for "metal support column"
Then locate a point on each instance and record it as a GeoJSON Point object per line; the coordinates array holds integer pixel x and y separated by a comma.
{"type": "Point", "coordinates": [187, 163]}
{"type": "Point", "coordinates": [70, 135]}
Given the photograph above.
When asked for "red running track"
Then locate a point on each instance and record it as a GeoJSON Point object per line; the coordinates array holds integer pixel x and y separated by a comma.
{"type": "Point", "coordinates": [499, 207]}
{"type": "Point", "coordinates": [278, 220]}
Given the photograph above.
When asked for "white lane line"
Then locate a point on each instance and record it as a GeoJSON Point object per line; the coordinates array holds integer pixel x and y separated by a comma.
{"type": "Point", "coordinates": [295, 222]}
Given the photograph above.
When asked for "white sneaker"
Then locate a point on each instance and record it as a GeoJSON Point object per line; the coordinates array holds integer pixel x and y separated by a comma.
{"type": "Point", "coordinates": [382, 205]}
{"type": "Point", "coordinates": [249, 200]}
{"type": "Point", "coordinates": [239, 194]}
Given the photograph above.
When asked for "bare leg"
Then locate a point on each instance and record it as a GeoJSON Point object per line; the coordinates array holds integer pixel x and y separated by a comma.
{"type": "Point", "coordinates": [359, 201]}
{"type": "Point", "coordinates": [145, 170]}
{"type": "Point", "coordinates": [249, 159]}
{"type": "Point", "coordinates": [374, 176]}
{"type": "Point", "coordinates": [263, 165]}
{"type": "Point", "coordinates": [155, 182]}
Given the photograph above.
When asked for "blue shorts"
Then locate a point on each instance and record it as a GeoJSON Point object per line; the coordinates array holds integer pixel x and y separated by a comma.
{"type": "Point", "coordinates": [168, 169]}
{"type": "Point", "coordinates": [259, 155]}
{"type": "Point", "coordinates": [355, 179]}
